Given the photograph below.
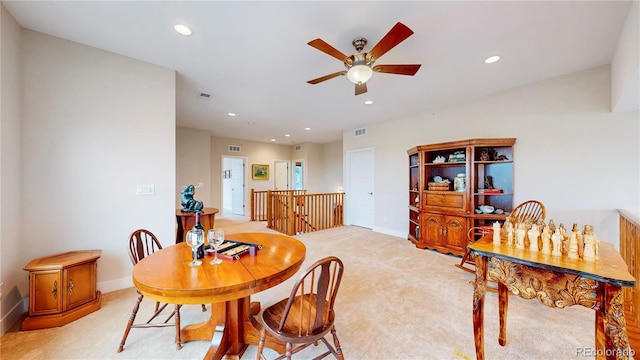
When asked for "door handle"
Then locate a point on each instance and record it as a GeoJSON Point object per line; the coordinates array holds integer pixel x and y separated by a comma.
{"type": "Point", "coordinates": [371, 193]}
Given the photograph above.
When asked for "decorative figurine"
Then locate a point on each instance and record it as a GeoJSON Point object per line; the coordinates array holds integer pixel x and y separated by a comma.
{"type": "Point", "coordinates": [556, 240]}
{"type": "Point", "coordinates": [520, 234]}
{"type": "Point", "coordinates": [534, 237]}
{"type": "Point", "coordinates": [188, 203]}
{"type": "Point", "coordinates": [509, 230]}
{"type": "Point", "coordinates": [546, 239]}
{"type": "Point", "coordinates": [589, 243]}
{"type": "Point", "coordinates": [496, 233]}
{"type": "Point", "coordinates": [573, 243]}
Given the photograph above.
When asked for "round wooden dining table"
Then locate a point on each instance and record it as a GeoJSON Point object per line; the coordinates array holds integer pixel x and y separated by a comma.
{"type": "Point", "coordinates": [166, 276]}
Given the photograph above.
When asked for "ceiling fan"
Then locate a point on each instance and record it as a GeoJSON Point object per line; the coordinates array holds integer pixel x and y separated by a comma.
{"type": "Point", "coordinates": [360, 66]}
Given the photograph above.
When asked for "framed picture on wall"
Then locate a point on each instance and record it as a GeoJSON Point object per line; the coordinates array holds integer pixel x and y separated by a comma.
{"type": "Point", "coordinates": [260, 172]}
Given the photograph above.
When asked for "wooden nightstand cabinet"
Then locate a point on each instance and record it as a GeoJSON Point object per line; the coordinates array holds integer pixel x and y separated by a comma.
{"type": "Point", "coordinates": [62, 288]}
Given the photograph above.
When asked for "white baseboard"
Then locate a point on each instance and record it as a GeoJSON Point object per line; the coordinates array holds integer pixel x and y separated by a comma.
{"type": "Point", "coordinates": [113, 285]}
{"type": "Point", "coordinates": [391, 232]}
{"type": "Point", "coordinates": [13, 315]}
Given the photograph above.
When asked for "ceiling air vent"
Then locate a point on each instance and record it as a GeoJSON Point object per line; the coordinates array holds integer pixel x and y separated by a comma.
{"type": "Point", "coordinates": [360, 132]}
{"type": "Point", "coordinates": [234, 148]}
{"type": "Point", "coordinates": [204, 96]}
{"type": "Point", "coordinates": [298, 147]}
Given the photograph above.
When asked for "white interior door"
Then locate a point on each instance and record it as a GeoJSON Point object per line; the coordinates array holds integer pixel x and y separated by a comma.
{"type": "Point", "coordinates": [359, 191]}
{"type": "Point", "coordinates": [281, 175]}
{"type": "Point", "coordinates": [238, 187]}
{"type": "Point", "coordinates": [233, 185]}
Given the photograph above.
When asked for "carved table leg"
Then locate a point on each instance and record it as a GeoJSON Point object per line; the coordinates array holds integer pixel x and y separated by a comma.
{"type": "Point", "coordinates": [479, 291]}
{"type": "Point", "coordinates": [615, 327]}
{"type": "Point", "coordinates": [503, 307]}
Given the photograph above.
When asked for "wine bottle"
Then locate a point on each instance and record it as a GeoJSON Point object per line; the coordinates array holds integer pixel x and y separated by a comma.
{"type": "Point", "coordinates": [198, 225]}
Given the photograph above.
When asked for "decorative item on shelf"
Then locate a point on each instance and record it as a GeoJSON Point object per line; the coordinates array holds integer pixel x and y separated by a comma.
{"type": "Point", "coordinates": [457, 156]}
{"type": "Point", "coordinates": [189, 204]}
{"type": "Point", "coordinates": [488, 182]}
{"type": "Point", "coordinates": [439, 184]}
{"type": "Point", "coordinates": [489, 191]}
{"type": "Point", "coordinates": [501, 158]}
{"type": "Point", "coordinates": [484, 155]}
{"type": "Point", "coordinates": [460, 182]}
{"type": "Point", "coordinates": [486, 209]}
{"type": "Point", "coordinates": [439, 159]}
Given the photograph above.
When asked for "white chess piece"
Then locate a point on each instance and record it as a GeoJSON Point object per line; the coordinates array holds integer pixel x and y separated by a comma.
{"type": "Point", "coordinates": [556, 240]}
{"type": "Point", "coordinates": [546, 240]}
{"type": "Point", "coordinates": [520, 234]}
{"type": "Point", "coordinates": [496, 233]}
{"type": "Point", "coordinates": [509, 233]}
{"type": "Point", "coordinates": [589, 243]}
{"type": "Point", "coordinates": [573, 243]}
{"type": "Point", "coordinates": [534, 236]}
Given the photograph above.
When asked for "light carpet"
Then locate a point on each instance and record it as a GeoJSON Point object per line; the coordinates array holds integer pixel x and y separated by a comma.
{"type": "Point", "coordinates": [395, 302]}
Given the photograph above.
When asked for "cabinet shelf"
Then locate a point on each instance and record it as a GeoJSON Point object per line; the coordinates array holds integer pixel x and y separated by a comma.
{"type": "Point", "coordinates": [443, 164]}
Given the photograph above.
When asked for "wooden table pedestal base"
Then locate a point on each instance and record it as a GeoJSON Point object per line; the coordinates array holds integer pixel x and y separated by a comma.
{"type": "Point", "coordinates": [235, 329]}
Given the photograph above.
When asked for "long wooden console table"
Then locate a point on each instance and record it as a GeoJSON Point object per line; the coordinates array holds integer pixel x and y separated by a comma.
{"type": "Point", "coordinates": [557, 282]}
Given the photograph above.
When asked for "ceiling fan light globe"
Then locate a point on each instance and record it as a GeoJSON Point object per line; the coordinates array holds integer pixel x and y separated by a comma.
{"type": "Point", "coordinates": [359, 74]}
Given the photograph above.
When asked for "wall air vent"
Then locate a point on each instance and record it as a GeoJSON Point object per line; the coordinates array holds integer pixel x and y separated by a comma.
{"type": "Point", "coordinates": [298, 147]}
{"type": "Point", "coordinates": [234, 148]}
{"type": "Point", "coordinates": [360, 132]}
{"type": "Point", "coordinates": [204, 96]}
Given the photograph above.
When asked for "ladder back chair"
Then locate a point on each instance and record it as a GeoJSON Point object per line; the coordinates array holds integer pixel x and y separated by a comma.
{"type": "Point", "coordinates": [307, 315]}
{"type": "Point", "coordinates": [142, 243]}
{"type": "Point", "coordinates": [532, 210]}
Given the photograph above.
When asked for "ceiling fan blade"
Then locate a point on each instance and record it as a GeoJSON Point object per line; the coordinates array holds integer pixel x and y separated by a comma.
{"type": "Point", "coordinates": [397, 69]}
{"type": "Point", "coordinates": [327, 49]}
{"type": "Point", "coordinates": [361, 88]}
{"type": "Point", "coordinates": [395, 36]}
{"type": "Point", "coordinates": [326, 77]}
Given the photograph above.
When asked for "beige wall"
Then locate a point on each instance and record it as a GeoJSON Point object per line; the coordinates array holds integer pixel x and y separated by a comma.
{"type": "Point", "coordinates": [332, 167]}
{"type": "Point", "coordinates": [625, 66]}
{"type": "Point", "coordinates": [94, 125]}
{"type": "Point", "coordinates": [193, 165]}
{"type": "Point", "coordinates": [11, 249]}
{"type": "Point", "coordinates": [569, 145]}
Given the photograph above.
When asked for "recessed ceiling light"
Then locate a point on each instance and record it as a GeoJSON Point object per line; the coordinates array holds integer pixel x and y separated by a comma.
{"type": "Point", "coordinates": [273, 139]}
{"type": "Point", "coordinates": [307, 128]}
{"type": "Point", "coordinates": [287, 135]}
{"type": "Point", "coordinates": [491, 59]}
{"type": "Point", "coordinates": [368, 102]}
{"type": "Point", "coordinates": [183, 30]}
{"type": "Point", "coordinates": [251, 123]}
{"type": "Point", "coordinates": [231, 114]}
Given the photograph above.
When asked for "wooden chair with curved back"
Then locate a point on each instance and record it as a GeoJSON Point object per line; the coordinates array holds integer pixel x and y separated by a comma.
{"type": "Point", "coordinates": [142, 243]}
{"type": "Point", "coordinates": [532, 210]}
{"type": "Point", "coordinates": [307, 315]}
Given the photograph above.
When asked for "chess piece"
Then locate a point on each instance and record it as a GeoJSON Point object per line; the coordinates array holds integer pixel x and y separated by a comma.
{"type": "Point", "coordinates": [546, 240]}
{"type": "Point", "coordinates": [564, 242]}
{"type": "Point", "coordinates": [534, 237]}
{"type": "Point", "coordinates": [552, 226]}
{"type": "Point", "coordinates": [496, 233]}
{"type": "Point", "coordinates": [509, 229]}
{"type": "Point", "coordinates": [556, 241]}
{"type": "Point", "coordinates": [589, 243]}
{"type": "Point", "coordinates": [520, 235]}
{"type": "Point", "coordinates": [572, 253]}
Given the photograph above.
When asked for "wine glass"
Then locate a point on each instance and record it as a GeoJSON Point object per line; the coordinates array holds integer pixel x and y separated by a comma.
{"type": "Point", "coordinates": [216, 238]}
{"type": "Point", "coordinates": [195, 238]}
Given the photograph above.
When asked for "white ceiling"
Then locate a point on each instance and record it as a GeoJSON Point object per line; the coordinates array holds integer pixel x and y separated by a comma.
{"type": "Point", "coordinates": [253, 57]}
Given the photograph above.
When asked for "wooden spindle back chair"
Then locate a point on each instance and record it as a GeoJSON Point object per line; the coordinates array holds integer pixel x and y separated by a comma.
{"type": "Point", "coordinates": [307, 315]}
{"type": "Point", "coordinates": [143, 243]}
